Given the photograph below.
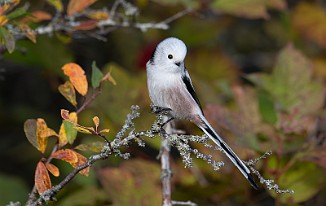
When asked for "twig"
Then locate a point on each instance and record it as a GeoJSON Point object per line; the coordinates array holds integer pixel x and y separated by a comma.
{"type": "Point", "coordinates": [165, 165]}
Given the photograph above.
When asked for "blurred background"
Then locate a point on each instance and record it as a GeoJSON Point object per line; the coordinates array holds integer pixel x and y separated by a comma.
{"type": "Point", "coordinates": [258, 67]}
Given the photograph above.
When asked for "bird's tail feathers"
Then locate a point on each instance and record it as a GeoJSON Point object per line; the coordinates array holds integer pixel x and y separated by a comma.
{"type": "Point", "coordinates": [207, 128]}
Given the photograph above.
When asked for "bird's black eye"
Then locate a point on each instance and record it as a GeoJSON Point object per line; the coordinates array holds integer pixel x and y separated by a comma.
{"type": "Point", "coordinates": [170, 56]}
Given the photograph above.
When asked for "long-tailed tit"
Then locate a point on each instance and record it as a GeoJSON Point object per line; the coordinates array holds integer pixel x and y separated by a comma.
{"type": "Point", "coordinates": [170, 87]}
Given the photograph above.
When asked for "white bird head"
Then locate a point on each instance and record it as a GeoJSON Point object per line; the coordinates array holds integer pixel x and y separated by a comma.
{"type": "Point", "coordinates": [170, 53]}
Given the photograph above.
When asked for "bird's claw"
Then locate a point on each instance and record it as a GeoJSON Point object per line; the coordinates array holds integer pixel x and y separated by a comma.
{"type": "Point", "coordinates": [157, 109]}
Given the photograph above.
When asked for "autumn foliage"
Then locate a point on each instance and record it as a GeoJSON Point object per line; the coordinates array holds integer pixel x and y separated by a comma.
{"type": "Point", "coordinates": [258, 67]}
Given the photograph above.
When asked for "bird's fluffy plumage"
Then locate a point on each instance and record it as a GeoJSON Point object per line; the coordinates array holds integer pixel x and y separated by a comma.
{"type": "Point", "coordinates": [170, 86]}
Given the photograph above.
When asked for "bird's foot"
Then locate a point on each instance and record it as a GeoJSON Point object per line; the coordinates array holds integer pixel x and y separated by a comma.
{"type": "Point", "coordinates": [157, 109]}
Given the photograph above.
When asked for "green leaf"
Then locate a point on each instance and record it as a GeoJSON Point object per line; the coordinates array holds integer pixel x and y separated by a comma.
{"type": "Point", "coordinates": [97, 75]}
{"type": "Point", "coordinates": [17, 13]}
{"type": "Point", "coordinates": [70, 131]}
{"type": "Point", "coordinates": [306, 179]}
{"type": "Point", "coordinates": [8, 39]}
{"type": "Point", "coordinates": [266, 107]}
{"type": "Point", "coordinates": [291, 84]}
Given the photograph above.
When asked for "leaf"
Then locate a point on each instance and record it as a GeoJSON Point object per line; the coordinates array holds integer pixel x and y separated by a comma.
{"type": "Point", "coordinates": [17, 13]}
{"type": "Point", "coordinates": [266, 107]}
{"type": "Point", "coordinates": [69, 131]}
{"type": "Point", "coordinates": [86, 25]}
{"type": "Point", "coordinates": [37, 133]}
{"type": "Point", "coordinates": [8, 39]}
{"type": "Point", "coordinates": [42, 178]}
{"type": "Point", "coordinates": [105, 131]}
{"type": "Point", "coordinates": [67, 90]}
{"type": "Point", "coordinates": [98, 15]}
{"type": "Point", "coordinates": [306, 179]}
{"type": "Point", "coordinates": [66, 155]}
{"type": "Point", "coordinates": [28, 32]}
{"type": "Point", "coordinates": [3, 20]}
{"type": "Point", "coordinates": [93, 146]}
{"type": "Point", "coordinates": [42, 133]}
{"type": "Point", "coordinates": [97, 75]}
{"type": "Point", "coordinates": [81, 160]}
{"type": "Point", "coordinates": [313, 24]}
{"type": "Point", "coordinates": [64, 114]}
{"type": "Point", "coordinates": [96, 121]}
{"type": "Point", "coordinates": [108, 77]}
{"type": "Point", "coordinates": [57, 4]}
{"type": "Point", "coordinates": [77, 77]}
{"type": "Point", "coordinates": [84, 130]}
{"type": "Point", "coordinates": [30, 127]}
{"type": "Point", "coordinates": [291, 85]}
{"type": "Point", "coordinates": [76, 6]}
{"type": "Point", "coordinates": [53, 169]}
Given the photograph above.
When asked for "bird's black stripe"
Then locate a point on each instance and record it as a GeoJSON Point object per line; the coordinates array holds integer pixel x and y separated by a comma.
{"type": "Point", "coordinates": [191, 90]}
{"type": "Point", "coordinates": [151, 60]}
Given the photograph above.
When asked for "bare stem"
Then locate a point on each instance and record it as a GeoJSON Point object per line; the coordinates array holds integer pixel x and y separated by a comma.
{"type": "Point", "coordinates": [165, 166]}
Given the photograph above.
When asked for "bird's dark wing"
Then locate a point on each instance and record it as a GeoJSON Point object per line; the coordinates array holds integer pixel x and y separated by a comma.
{"type": "Point", "coordinates": [187, 81]}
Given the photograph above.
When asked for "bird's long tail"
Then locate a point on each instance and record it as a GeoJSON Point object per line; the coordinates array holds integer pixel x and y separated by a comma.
{"type": "Point", "coordinates": [207, 128]}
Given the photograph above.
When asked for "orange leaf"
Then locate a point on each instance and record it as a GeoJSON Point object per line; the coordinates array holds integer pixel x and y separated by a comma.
{"type": "Point", "coordinates": [81, 160]}
{"type": "Point", "coordinates": [53, 169]}
{"type": "Point", "coordinates": [76, 6]}
{"type": "Point", "coordinates": [77, 77]}
{"type": "Point", "coordinates": [41, 15]}
{"type": "Point", "coordinates": [42, 178]}
{"type": "Point", "coordinates": [67, 155]}
{"type": "Point", "coordinates": [28, 32]}
{"type": "Point", "coordinates": [86, 25]}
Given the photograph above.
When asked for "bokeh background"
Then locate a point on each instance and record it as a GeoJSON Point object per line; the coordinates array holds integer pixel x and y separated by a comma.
{"type": "Point", "coordinates": [259, 69]}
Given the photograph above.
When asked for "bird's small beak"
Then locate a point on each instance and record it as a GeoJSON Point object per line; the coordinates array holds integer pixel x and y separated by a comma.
{"type": "Point", "coordinates": [178, 63]}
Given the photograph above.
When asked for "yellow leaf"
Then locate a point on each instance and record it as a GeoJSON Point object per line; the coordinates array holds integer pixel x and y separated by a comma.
{"type": "Point", "coordinates": [76, 6]}
{"type": "Point", "coordinates": [8, 6]}
{"type": "Point", "coordinates": [63, 139]}
{"type": "Point", "coordinates": [67, 90]}
{"type": "Point", "coordinates": [28, 32]}
{"type": "Point", "coordinates": [98, 15]}
{"type": "Point", "coordinates": [67, 155]}
{"type": "Point", "coordinates": [82, 129]}
{"type": "Point", "coordinates": [105, 131]}
{"type": "Point", "coordinates": [57, 4]}
{"type": "Point", "coordinates": [73, 117]}
{"type": "Point", "coordinates": [108, 77]}
{"type": "Point", "coordinates": [42, 178]}
{"type": "Point", "coordinates": [77, 77]}
{"type": "Point", "coordinates": [96, 121]}
{"type": "Point", "coordinates": [3, 20]}
{"type": "Point", "coordinates": [53, 169]}
{"type": "Point", "coordinates": [42, 134]}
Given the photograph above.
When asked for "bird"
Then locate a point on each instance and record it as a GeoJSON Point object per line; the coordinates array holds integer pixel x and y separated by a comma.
{"type": "Point", "coordinates": [170, 89]}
